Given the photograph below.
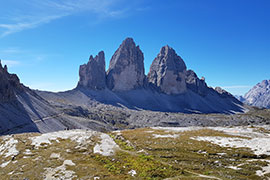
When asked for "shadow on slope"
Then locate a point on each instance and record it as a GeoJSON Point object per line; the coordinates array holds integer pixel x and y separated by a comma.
{"type": "Point", "coordinates": [143, 99]}
{"type": "Point", "coordinates": [29, 113]}
{"type": "Point", "coordinates": [15, 119]}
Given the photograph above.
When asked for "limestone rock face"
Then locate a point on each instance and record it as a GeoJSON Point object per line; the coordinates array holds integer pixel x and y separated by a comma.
{"type": "Point", "coordinates": [9, 84]}
{"type": "Point", "coordinates": [126, 70]}
{"type": "Point", "coordinates": [92, 74]}
{"type": "Point", "coordinates": [167, 72]}
{"type": "Point", "coordinates": [223, 93]}
{"type": "Point", "coordinates": [195, 84]}
{"type": "Point", "coordinates": [259, 95]}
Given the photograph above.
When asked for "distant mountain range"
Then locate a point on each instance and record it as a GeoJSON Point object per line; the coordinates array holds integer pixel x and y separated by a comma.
{"type": "Point", "coordinates": [116, 98]}
{"type": "Point", "coordinates": [258, 96]}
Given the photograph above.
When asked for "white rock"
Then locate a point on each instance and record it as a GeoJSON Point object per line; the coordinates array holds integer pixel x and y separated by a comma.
{"type": "Point", "coordinates": [79, 136]}
{"type": "Point", "coordinates": [55, 155]}
{"type": "Point", "coordinates": [60, 172]}
{"type": "Point", "coordinates": [106, 147]}
{"type": "Point", "coordinates": [132, 172]}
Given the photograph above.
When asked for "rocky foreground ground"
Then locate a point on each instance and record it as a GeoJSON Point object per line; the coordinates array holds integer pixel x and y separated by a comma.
{"type": "Point", "coordinates": [145, 153]}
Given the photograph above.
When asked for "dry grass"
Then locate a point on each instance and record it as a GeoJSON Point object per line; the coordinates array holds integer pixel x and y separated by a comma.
{"type": "Point", "coordinates": [151, 158]}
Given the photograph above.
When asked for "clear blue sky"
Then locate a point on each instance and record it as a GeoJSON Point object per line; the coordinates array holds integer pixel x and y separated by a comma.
{"type": "Point", "coordinates": [226, 41]}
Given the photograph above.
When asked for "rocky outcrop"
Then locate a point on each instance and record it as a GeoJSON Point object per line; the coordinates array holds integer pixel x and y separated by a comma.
{"type": "Point", "coordinates": [259, 95]}
{"type": "Point", "coordinates": [167, 72]}
{"type": "Point", "coordinates": [195, 84]}
{"type": "Point", "coordinates": [92, 74]}
{"type": "Point", "coordinates": [126, 70]}
{"type": "Point", "coordinates": [168, 77]}
{"type": "Point", "coordinates": [223, 93]}
{"type": "Point", "coordinates": [9, 84]}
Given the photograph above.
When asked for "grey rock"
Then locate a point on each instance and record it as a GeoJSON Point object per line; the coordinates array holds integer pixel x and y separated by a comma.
{"type": "Point", "coordinates": [195, 84]}
{"type": "Point", "coordinates": [128, 102]}
{"type": "Point", "coordinates": [92, 74]}
{"type": "Point", "coordinates": [9, 84]}
{"type": "Point", "coordinates": [259, 95]}
{"type": "Point", "coordinates": [23, 110]}
{"type": "Point", "coordinates": [126, 70]}
{"type": "Point", "coordinates": [167, 72]}
{"type": "Point", "coordinates": [223, 93]}
{"type": "Point", "coordinates": [240, 98]}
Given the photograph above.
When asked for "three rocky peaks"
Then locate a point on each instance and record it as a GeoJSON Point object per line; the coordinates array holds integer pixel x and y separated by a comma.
{"type": "Point", "coordinates": [118, 92]}
{"type": "Point", "coordinates": [168, 73]}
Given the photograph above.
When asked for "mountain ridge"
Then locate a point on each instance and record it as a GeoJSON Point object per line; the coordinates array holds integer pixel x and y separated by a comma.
{"type": "Point", "coordinates": [119, 98]}
{"type": "Point", "coordinates": [258, 95]}
{"type": "Point", "coordinates": [169, 83]}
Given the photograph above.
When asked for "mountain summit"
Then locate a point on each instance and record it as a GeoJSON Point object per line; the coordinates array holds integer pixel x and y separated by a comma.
{"type": "Point", "coordinates": [169, 86]}
{"type": "Point", "coordinates": [9, 84]}
{"type": "Point", "coordinates": [126, 70]}
{"type": "Point", "coordinates": [167, 72]}
{"type": "Point", "coordinates": [92, 74]}
{"type": "Point", "coordinates": [259, 95]}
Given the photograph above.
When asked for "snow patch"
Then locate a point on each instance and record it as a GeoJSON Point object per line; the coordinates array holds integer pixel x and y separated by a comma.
{"type": "Point", "coordinates": [202, 152]}
{"type": "Point", "coordinates": [234, 167]}
{"type": "Point", "coordinates": [265, 170]}
{"type": "Point", "coordinates": [8, 148]}
{"type": "Point", "coordinates": [258, 145]}
{"type": "Point", "coordinates": [4, 164]}
{"type": "Point", "coordinates": [235, 131]}
{"type": "Point", "coordinates": [106, 146]}
{"type": "Point", "coordinates": [209, 177]}
{"type": "Point", "coordinates": [241, 131]}
{"type": "Point", "coordinates": [177, 129]}
{"type": "Point", "coordinates": [55, 156]}
{"type": "Point", "coordinates": [221, 154]}
{"type": "Point", "coordinates": [28, 152]}
{"type": "Point", "coordinates": [165, 135]}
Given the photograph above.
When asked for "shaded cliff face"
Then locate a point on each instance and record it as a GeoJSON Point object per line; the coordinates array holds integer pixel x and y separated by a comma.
{"type": "Point", "coordinates": [167, 72]}
{"type": "Point", "coordinates": [9, 85]}
{"type": "Point", "coordinates": [126, 70]}
{"type": "Point", "coordinates": [169, 75]}
{"type": "Point", "coordinates": [195, 84]}
{"type": "Point", "coordinates": [92, 74]}
{"type": "Point", "coordinates": [169, 86]}
{"type": "Point", "coordinates": [259, 95]}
